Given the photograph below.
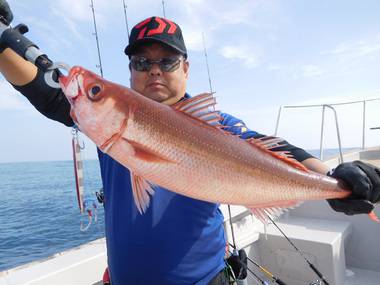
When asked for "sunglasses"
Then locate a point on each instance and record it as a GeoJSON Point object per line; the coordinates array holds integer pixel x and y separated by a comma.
{"type": "Point", "coordinates": [166, 64]}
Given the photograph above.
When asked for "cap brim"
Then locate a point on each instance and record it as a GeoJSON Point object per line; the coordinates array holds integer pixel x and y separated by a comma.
{"type": "Point", "coordinates": [129, 50]}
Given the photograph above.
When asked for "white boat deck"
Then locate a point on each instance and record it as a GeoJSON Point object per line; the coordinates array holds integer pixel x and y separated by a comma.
{"type": "Point", "coordinates": [82, 265]}
{"type": "Point", "coordinates": [356, 276]}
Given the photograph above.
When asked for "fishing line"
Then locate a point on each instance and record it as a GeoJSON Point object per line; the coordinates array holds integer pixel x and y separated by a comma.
{"type": "Point", "coordinates": [97, 39]}
{"type": "Point", "coordinates": [232, 228]}
{"type": "Point", "coordinates": [316, 271]}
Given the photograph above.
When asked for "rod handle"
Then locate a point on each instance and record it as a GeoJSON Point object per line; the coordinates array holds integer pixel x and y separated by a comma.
{"type": "Point", "coordinates": [279, 281]}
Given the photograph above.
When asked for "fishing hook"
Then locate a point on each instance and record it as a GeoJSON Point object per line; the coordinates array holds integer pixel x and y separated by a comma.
{"type": "Point", "coordinates": [49, 74]}
{"type": "Point", "coordinates": [74, 132]}
{"type": "Point", "coordinates": [92, 215]}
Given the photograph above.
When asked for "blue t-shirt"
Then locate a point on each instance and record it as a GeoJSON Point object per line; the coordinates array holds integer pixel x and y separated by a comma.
{"type": "Point", "coordinates": [178, 240]}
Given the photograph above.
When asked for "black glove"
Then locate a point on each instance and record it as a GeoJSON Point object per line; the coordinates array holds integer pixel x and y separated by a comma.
{"type": "Point", "coordinates": [363, 179]}
{"type": "Point", "coordinates": [6, 15]}
{"type": "Point", "coordinates": [6, 18]}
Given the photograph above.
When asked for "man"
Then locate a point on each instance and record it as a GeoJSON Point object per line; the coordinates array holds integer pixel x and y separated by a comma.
{"type": "Point", "coordinates": [178, 240]}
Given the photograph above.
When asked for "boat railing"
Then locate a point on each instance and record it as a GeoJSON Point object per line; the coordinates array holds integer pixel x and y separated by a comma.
{"type": "Point", "coordinates": [331, 107]}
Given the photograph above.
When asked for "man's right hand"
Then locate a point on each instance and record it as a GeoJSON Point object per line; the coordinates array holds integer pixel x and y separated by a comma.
{"type": "Point", "coordinates": [6, 15]}
{"type": "Point", "coordinates": [364, 181]}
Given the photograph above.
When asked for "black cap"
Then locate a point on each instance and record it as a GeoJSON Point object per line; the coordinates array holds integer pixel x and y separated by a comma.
{"type": "Point", "coordinates": [156, 29]}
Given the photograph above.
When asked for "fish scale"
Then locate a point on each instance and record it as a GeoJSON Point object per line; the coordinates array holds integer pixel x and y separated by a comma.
{"type": "Point", "coordinates": [167, 146]}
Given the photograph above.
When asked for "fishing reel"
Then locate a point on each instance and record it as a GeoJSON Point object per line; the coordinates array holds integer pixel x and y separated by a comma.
{"type": "Point", "coordinates": [13, 38]}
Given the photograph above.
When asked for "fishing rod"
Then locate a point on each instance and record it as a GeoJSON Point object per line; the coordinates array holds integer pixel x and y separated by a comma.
{"type": "Point", "coordinates": [208, 69]}
{"type": "Point", "coordinates": [97, 39]}
{"type": "Point", "coordinates": [13, 38]}
{"type": "Point", "coordinates": [126, 18]}
{"type": "Point", "coordinates": [237, 259]}
{"type": "Point", "coordinates": [277, 280]}
{"type": "Point", "coordinates": [163, 8]}
{"type": "Point", "coordinates": [258, 278]}
{"type": "Point", "coordinates": [312, 266]}
{"type": "Point", "coordinates": [235, 252]}
{"type": "Point", "coordinates": [266, 271]}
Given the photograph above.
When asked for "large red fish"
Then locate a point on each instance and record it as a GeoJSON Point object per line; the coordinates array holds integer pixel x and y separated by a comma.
{"type": "Point", "coordinates": [184, 149]}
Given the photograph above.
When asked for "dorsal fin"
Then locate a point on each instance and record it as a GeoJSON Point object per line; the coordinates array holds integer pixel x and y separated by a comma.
{"type": "Point", "coordinates": [201, 107]}
{"type": "Point", "coordinates": [269, 143]}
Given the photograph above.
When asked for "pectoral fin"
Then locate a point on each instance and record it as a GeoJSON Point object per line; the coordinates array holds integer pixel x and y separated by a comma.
{"type": "Point", "coordinates": [142, 190]}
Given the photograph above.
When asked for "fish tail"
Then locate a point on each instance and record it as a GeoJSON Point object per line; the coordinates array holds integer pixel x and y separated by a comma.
{"type": "Point", "coordinates": [374, 217]}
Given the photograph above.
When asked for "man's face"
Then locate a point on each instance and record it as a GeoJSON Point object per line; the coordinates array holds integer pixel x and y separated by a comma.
{"type": "Point", "coordinates": [164, 87]}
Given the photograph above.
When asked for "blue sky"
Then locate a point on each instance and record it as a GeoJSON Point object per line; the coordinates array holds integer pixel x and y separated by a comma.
{"type": "Point", "coordinates": [262, 54]}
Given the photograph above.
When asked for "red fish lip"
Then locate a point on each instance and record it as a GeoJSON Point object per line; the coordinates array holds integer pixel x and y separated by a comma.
{"type": "Point", "coordinates": [64, 82]}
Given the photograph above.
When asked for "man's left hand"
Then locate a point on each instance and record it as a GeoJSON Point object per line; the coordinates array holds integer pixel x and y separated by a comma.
{"type": "Point", "coordinates": [363, 179]}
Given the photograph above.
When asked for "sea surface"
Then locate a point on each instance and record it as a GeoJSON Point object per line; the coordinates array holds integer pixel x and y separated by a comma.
{"type": "Point", "coordinates": [39, 213]}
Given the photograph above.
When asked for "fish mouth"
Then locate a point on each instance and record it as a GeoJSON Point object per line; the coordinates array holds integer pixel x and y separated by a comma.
{"type": "Point", "coordinates": [71, 87]}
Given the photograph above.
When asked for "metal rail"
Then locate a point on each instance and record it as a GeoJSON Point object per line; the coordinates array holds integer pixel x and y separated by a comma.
{"type": "Point", "coordinates": [330, 106]}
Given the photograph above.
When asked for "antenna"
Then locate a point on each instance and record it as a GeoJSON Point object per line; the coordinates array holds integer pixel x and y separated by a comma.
{"type": "Point", "coordinates": [208, 69]}
{"type": "Point", "coordinates": [163, 7]}
{"type": "Point", "coordinates": [126, 18]}
{"type": "Point", "coordinates": [97, 39]}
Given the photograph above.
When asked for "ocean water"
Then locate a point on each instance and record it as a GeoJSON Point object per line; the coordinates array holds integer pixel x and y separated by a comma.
{"type": "Point", "coordinates": [39, 214]}
{"type": "Point", "coordinates": [331, 152]}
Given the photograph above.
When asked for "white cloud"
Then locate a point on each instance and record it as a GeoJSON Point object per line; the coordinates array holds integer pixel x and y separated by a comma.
{"type": "Point", "coordinates": [222, 19]}
{"type": "Point", "coordinates": [356, 49]}
{"type": "Point", "coordinates": [242, 53]}
{"type": "Point", "coordinates": [75, 10]}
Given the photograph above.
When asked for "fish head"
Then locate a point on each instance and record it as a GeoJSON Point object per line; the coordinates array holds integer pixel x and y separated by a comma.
{"type": "Point", "coordinates": [95, 104]}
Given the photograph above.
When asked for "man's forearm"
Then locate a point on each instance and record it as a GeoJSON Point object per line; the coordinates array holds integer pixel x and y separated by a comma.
{"type": "Point", "coordinates": [28, 80]}
{"type": "Point", "coordinates": [316, 165]}
{"type": "Point", "coordinates": [15, 69]}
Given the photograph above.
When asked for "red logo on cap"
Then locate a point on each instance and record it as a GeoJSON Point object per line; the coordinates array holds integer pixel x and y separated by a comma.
{"type": "Point", "coordinates": [162, 23]}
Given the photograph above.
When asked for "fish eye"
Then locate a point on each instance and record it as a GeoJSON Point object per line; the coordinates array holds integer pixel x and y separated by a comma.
{"type": "Point", "coordinates": [94, 92]}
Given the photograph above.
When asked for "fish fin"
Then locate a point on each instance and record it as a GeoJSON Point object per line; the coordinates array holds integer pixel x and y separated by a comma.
{"type": "Point", "coordinates": [373, 217]}
{"type": "Point", "coordinates": [143, 153]}
{"type": "Point", "coordinates": [268, 144]}
{"type": "Point", "coordinates": [201, 107]}
{"type": "Point", "coordinates": [141, 190]}
{"type": "Point", "coordinates": [262, 213]}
